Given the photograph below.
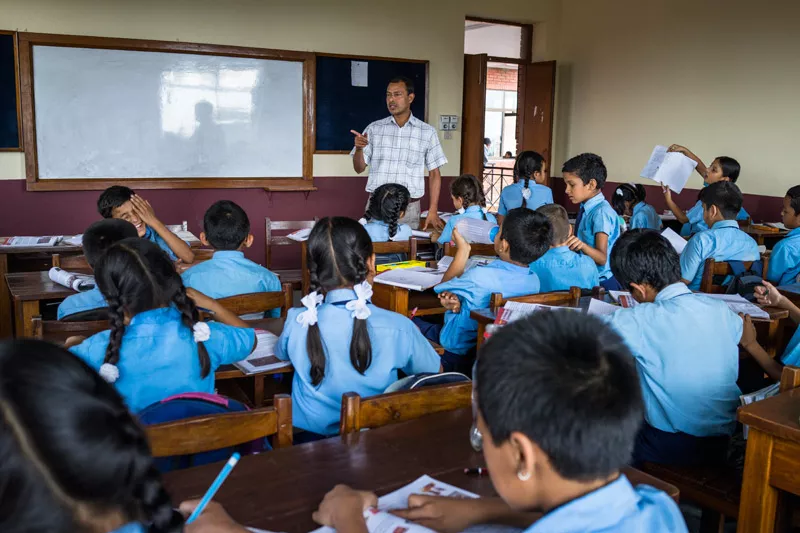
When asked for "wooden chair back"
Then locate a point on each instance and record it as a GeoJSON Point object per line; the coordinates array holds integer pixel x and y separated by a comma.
{"type": "Point", "coordinates": [713, 268]}
{"type": "Point", "coordinates": [202, 254]}
{"type": "Point", "coordinates": [281, 240]}
{"type": "Point", "coordinates": [59, 331]}
{"type": "Point", "coordinates": [361, 413]}
{"type": "Point", "coordinates": [744, 223]}
{"type": "Point", "coordinates": [259, 302]}
{"type": "Point", "coordinates": [72, 263]}
{"type": "Point", "coordinates": [790, 378]}
{"type": "Point", "coordinates": [570, 298]}
{"type": "Point", "coordinates": [475, 249]}
{"type": "Point", "coordinates": [213, 432]}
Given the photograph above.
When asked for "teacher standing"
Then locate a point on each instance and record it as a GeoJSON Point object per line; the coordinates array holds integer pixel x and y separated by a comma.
{"type": "Point", "coordinates": [398, 149]}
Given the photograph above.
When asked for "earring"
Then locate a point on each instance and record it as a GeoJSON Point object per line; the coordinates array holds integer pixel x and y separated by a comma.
{"type": "Point", "coordinates": [523, 476]}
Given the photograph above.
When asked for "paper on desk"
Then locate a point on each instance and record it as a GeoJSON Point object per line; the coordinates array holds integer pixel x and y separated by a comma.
{"type": "Point", "coordinates": [739, 304]}
{"type": "Point", "coordinates": [415, 278]}
{"type": "Point", "coordinates": [71, 280]}
{"type": "Point", "coordinates": [300, 235]}
{"type": "Point", "coordinates": [623, 298]}
{"type": "Point", "coordinates": [779, 225]}
{"type": "Point", "coordinates": [601, 308]}
{"type": "Point", "coordinates": [29, 241]}
{"type": "Point", "coordinates": [263, 357]}
{"type": "Point", "coordinates": [677, 242]}
{"type": "Point", "coordinates": [75, 240]}
{"type": "Point", "coordinates": [669, 168]}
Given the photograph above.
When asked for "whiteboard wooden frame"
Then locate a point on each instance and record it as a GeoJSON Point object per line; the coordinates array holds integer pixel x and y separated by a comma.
{"type": "Point", "coordinates": [26, 42]}
{"type": "Point", "coordinates": [21, 146]}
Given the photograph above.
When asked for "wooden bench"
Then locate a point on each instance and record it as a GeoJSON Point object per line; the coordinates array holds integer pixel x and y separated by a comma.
{"type": "Point", "coordinates": [293, 276]}
{"type": "Point", "coordinates": [260, 302]}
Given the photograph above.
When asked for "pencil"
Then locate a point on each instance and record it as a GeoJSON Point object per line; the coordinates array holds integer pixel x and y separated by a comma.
{"type": "Point", "coordinates": [212, 490]}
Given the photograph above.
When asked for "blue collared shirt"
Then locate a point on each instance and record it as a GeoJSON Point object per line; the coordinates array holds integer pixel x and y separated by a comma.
{"type": "Point", "coordinates": [229, 273]}
{"type": "Point", "coordinates": [511, 197]}
{"type": "Point", "coordinates": [791, 356]}
{"type": "Point", "coordinates": [158, 357]}
{"type": "Point", "coordinates": [473, 211]}
{"type": "Point", "coordinates": [475, 288]}
{"type": "Point", "coordinates": [152, 236]}
{"type": "Point", "coordinates": [723, 242]}
{"type": "Point", "coordinates": [686, 347]}
{"type": "Point", "coordinates": [83, 301]}
{"type": "Point", "coordinates": [644, 217]}
{"type": "Point", "coordinates": [561, 268]}
{"type": "Point", "coordinates": [599, 217]}
{"type": "Point", "coordinates": [133, 527]}
{"type": "Point", "coordinates": [616, 507]}
{"type": "Point", "coordinates": [397, 344]}
{"type": "Point", "coordinates": [696, 222]}
{"type": "Point", "coordinates": [784, 261]}
{"type": "Point", "coordinates": [379, 231]}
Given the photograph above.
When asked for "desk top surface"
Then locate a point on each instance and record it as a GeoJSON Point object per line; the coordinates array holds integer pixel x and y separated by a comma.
{"type": "Point", "coordinates": [778, 416]}
{"type": "Point", "coordinates": [26, 286]}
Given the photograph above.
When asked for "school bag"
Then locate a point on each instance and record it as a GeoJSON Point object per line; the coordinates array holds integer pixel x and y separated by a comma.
{"type": "Point", "coordinates": [744, 281]}
{"type": "Point", "coordinates": [426, 379]}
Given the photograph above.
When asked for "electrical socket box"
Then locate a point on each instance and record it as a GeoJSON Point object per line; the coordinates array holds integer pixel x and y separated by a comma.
{"type": "Point", "coordinates": [448, 122]}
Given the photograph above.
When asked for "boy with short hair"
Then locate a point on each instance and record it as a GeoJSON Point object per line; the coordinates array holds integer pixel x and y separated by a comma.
{"type": "Point", "coordinates": [724, 241]}
{"type": "Point", "coordinates": [228, 273]}
{"type": "Point", "coordinates": [523, 237]}
{"type": "Point", "coordinates": [784, 261]}
{"type": "Point", "coordinates": [96, 240]}
{"type": "Point", "coordinates": [597, 225]}
{"type": "Point", "coordinates": [559, 406]}
{"type": "Point", "coordinates": [686, 350]}
{"type": "Point", "coordinates": [121, 202]}
{"type": "Point", "coordinates": [561, 268]}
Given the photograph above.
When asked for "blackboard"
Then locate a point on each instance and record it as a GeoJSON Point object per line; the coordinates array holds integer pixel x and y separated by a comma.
{"type": "Point", "coordinates": [9, 125]}
{"type": "Point", "coordinates": [341, 107]}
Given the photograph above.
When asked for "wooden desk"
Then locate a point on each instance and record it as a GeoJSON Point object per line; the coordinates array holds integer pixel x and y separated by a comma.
{"type": "Point", "coordinates": [772, 461]}
{"type": "Point", "coordinates": [404, 301]}
{"type": "Point", "coordinates": [764, 237]}
{"type": "Point", "coordinates": [27, 290]}
{"type": "Point", "coordinates": [279, 490]}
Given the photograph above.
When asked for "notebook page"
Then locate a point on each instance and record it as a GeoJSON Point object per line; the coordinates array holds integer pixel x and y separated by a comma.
{"type": "Point", "coordinates": [601, 308]}
{"type": "Point", "coordinates": [675, 170]}
{"type": "Point", "coordinates": [418, 279]}
{"type": "Point", "coordinates": [677, 242]}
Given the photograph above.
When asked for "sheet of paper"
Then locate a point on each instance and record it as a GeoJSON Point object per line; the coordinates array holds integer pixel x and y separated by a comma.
{"type": "Point", "coordinates": [263, 357]}
{"type": "Point", "coordinates": [779, 225]}
{"type": "Point", "coordinates": [416, 278]}
{"type": "Point", "coordinates": [30, 241]}
{"type": "Point", "coordinates": [669, 168]}
{"type": "Point", "coordinates": [71, 280]}
{"type": "Point", "coordinates": [359, 73]}
{"type": "Point", "coordinates": [738, 304]}
{"type": "Point", "coordinates": [656, 158]}
{"type": "Point", "coordinates": [677, 242]}
{"type": "Point", "coordinates": [444, 263]}
{"type": "Point", "coordinates": [75, 240]}
{"type": "Point", "coordinates": [300, 235]}
{"type": "Point", "coordinates": [187, 236]}
{"type": "Point", "coordinates": [421, 234]}
{"type": "Point", "coordinates": [623, 298]}
{"type": "Point", "coordinates": [476, 231]}
{"type": "Point", "coordinates": [601, 308]}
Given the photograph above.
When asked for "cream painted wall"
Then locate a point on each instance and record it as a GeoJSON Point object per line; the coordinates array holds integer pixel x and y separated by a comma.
{"type": "Point", "coordinates": [417, 29]}
{"type": "Point", "coordinates": [718, 76]}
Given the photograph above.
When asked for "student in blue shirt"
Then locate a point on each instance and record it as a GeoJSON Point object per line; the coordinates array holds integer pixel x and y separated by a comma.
{"type": "Point", "coordinates": [96, 240]}
{"type": "Point", "coordinates": [784, 261]}
{"type": "Point", "coordinates": [522, 193]}
{"type": "Point", "coordinates": [723, 168]}
{"type": "Point", "coordinates": [561, 268]}
{"type": "Point", "coordinates": [229, 272]}
{"type": "Point", "coordinates": [724, 241]}
{"type": "Point", "coordinates": [387, 206]}
{"type": "Point", "coordinates": [628, 202]}
{"type": "Point", "coordinates": [558, 407]}
{"type": "Point", "coordinates": [340, 342]}
{"type": "Point", "coordinates": [121, 202]}
{"type": "Point", "coordinates": [597, 226]}
{"type": "Point", "coordinates": [468, 199]}
{"type": "Point", "coordinates": [689, 416]}
{"type": "Point", "coordinates": [156, 347]}
{"type": "Point", "coordinates": [523, 238]}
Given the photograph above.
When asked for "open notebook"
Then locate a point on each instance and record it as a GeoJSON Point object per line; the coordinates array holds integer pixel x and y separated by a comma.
{"type": "Point", "coordinates": [263, 357]}
{"type": "Point", "coordinates": [415, 278]}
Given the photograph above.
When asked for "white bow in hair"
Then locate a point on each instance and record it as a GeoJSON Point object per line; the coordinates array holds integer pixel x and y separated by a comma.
{"type": "Point", "coordinates": [201, 332]}
{"type": "Point", "coordinates": [359, 308]}
{"type": "Point", "coordinates": [109, 372]}
{"type": "Point", "coordinates": [309, 316]}
{"type": "Point", "coordinates": [526, 193]}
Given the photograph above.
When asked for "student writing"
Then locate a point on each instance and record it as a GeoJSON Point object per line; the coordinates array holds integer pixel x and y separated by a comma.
{"type": "Point", "coordinates": [724, 241]}
{"type": "Point", "coordinates": [339, 342]}
{"type": "Point", "coordinates": [628, 202]}
{"type": "Point", "coordinates": [121, 202]}
{"type": "Point", "coordinates": [560, 268]}
{"type": "Point", "coordinates": [552, 446]}
{"type": "Point", "coordinates": [522, 193]}
{"type": "Point", "coordinates": [229, 272]}
{"type": "Point", "coordinates": [156, 347]}
{"type": "Point", "coordinates": [784, 261]}
{"type": "Point", "coordinates": [467, 194]}
{"type": "Point", "coordinates": [96, 239]}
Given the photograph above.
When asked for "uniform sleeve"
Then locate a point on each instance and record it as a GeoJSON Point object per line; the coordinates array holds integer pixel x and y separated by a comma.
{"type": "Point", "coordinates": [491, 218]}
{"type": "Point", "coordinates": [777, 265]}
{"type": "Point", "coordinates": [421, 355]}
{"type": "Point", "coordinates": [403, 233]}
{"type": "Point", "coordinates": [462, 286]}
{"type": "Point", "coordinates": [604, 222]}
{"type": "Point", "coordinates": [282, 346]}
{"type": "Point", "coordinates": [692, 258]}
{"type": "Point", "coordinates": [502, 209]}
{"type": "Point", "coordinates": [639, 220]}
{"type": "Point", "coordinates": [92, 351]}
{"type": "Point", "coordinates": [434, 155]}
{"type": "Point", "coordinates": [229, 344]}
{"type": "Point", "coordinates": [549, 196]}
{"type": "Point", "coordinates": [447, 232]}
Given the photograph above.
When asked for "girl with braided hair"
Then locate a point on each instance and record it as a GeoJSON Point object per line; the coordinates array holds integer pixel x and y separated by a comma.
{"type": "Point", "coordinates": [339, 342]}
{"type": "Point", "coordinates": [628, 202]}
{"type": "Point", "coordinates": [386, 207]}
{"type": "Point", "coordinates": [469, 201]}
{"type": "Point", "coordinates": [74, 459]}
{"type": "Point", "coordinates": [529, 189]}
{"type": "Point", "coordinates": [156, 346]}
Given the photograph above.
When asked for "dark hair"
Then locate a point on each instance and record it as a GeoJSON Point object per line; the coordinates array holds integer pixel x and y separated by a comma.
{"type": "Point", "coordinates": [226, 225]}
{"type": "Point", "coordinates": [387, 203]}
{"type": "Point", "coordinates": [102, 234]}
{"type": "Point", "coordinates": [76, 444]}
{"type": "Point", "coordinates": [527, 163]}
{"type": "Point", "coordinates": [529, 234]}
{"type": "Point", "coordinates": [586, 420]}
{"type": "Point", "coordinates": [135, 276]}
{"type": "Point", "coordinates": [794, 198]}
{"type": "Point", "coordinates": [468, 188]}
{"type": "Point", "coordinates": [627, 192]}
{"type": "Point", "coordinates": [730, 167]}
{"type": "Point", "coordinates": [487, 140]}
{"type": "Point", "coordinates": [645, 256]}
{"type": "Point", "coordinates": [508, 155]}
{"type": "Point", "coordinates": [338, 251]}
{"type": "Point", "coordinates": [559, 221]}
{"type": "Point", "coordinates": [587, 167]}
{"type": "Point", "coordinates": [405, 81]}
{"type": "Point", "coordinates": [111, 198]}
{"type": "Point", "coordinates": [725, 195]}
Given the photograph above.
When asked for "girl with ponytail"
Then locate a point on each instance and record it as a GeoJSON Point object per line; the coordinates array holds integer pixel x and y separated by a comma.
{"type": "Point", "coordinates": [387, 205]}
{"type": "Point", "coordinates": [466, 192]}
{"type": "Point", "coordinates": [628, 202]}
{"type": "Point", "coordinates": [528, 189]}
{"type": "Point", "coordinates": [156, 346]}
{"type": "Point", "coordinates": [339, 342]}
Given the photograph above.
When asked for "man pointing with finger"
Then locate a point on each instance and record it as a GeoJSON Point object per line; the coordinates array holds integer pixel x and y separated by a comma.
{"type": "Point", "coordinates": [398, 149]}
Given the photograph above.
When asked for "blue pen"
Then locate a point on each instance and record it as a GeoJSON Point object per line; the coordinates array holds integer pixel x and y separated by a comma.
{"type": "Point", "coordinates": [212, 490]}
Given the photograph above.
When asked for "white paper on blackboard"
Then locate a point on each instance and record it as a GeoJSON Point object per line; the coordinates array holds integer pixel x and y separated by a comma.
{"type": "Point", "coordinates": [359, 73]}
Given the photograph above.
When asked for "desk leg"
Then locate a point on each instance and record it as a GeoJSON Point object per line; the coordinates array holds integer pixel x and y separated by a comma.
{"type": "Point", "coordinates": [25, 311]}
{"type": "Point", "coordinates": [6, 312]}
{"type": "Point", "coordinates": [481, 333]}
{"type": "Point", "coordinates": [759, 501]}
{"type": "Point", "coordinates": [772, 337]}
{"type": "Point", "coordinates": [258, 391]}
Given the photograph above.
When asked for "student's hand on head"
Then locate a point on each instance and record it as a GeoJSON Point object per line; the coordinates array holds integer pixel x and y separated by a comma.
{"type": "Point", "coordinates": [445, 515]}
{"type": "Point", "coordinates": [214, 519]}
{"type": "Point", "coordinates": [768, 294]}
{"type": "Point", "coordinates": [748, 331]}
{"type": "Point", "coordinates": [361, 141]}
{"type": "Point", "coordinates": [73, 341]}
{"type": "Point", "coordinates": [343, 506]}
{"type": "Point", "coordinates": [145, 211]}
{"type": "Point", "coordinates": [575, 244]}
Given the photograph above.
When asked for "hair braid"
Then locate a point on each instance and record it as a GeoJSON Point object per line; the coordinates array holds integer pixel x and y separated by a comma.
{"type": "Point", "coordinates": [360, 345]}
{"type": "Point", "coordinates": [190, 317]}
{"type": "Point", "coordinates": [116, 319]}
{"type": "Point", "coordinates": [314, 347]}
{"type": "Point", "coordinates": [393, 210]}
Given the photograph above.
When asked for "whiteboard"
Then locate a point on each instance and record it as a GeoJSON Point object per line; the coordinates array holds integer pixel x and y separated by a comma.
{"type": "Point", "coordinates": [104, 113]}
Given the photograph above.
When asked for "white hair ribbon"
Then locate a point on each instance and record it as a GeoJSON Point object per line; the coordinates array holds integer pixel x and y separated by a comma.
{"type": "Point", "coordinates": [201, 332]}
{"type": "Point", "coordinates": [619, 192]}
{"type": "Point", "coordinates": [362, 221]}
{"type": "Point", "coordinates": [460, 211]}
{"type": "Point", "coordinates": [526, 193]}
{"type": "Point", "coordinates": [109, 372]}
{"type": "Point", "coordinates": [359, 308]}
{"type": "Point", "coordinates": [309, 316]}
